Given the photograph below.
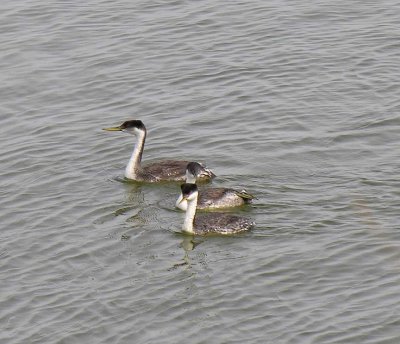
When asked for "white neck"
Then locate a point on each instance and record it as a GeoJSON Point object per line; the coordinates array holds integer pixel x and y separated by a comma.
{"type": "Point", "coordinates": [190, 178]}
{"type": "Point", "coordinates": [136, 157]}
{"type": "Point", "coordinates": [190, 213]}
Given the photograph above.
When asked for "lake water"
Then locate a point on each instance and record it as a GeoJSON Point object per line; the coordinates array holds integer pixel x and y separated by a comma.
{"type": "Point", "coordinates": [298, 102]}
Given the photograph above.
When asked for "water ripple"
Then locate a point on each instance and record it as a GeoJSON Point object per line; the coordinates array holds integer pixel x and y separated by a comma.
{"type": "Point", "coordinates": [295, 102]}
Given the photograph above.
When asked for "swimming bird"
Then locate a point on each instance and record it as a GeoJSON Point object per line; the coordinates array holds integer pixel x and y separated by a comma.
{"type": "Point", "coordinates": [209, 223]}
{"type": "Point", "coordinates": [167, 170]}
{"type": "Point", "coordinates": [212, 198]}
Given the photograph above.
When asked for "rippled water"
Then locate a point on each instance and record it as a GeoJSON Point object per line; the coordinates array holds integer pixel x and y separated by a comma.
{"type": "Point", "coordinates": [296, 101]}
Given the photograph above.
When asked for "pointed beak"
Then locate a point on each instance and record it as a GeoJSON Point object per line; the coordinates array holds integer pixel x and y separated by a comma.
{"type": "Point", "coordinates": [113, 129]}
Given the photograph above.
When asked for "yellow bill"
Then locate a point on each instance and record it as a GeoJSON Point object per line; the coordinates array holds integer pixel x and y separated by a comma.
{"type": "Point", "coordinates": [113, 129]}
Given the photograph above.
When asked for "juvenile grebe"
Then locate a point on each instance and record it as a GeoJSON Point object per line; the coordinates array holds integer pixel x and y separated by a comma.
{"type": "Point", "coordinates": [209, 223]}
{"type": "Point", "coordinates": [212, 198]}
{"type": "Point", "coordinates": [167, 170]}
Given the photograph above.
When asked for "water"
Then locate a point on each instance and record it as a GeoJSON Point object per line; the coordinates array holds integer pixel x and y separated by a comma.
{"type": "Point", "coordinates": [297, 102]}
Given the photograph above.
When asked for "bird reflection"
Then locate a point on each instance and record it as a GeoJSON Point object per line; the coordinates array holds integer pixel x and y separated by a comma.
{"type": "Point", "coordinates": [188, 244]}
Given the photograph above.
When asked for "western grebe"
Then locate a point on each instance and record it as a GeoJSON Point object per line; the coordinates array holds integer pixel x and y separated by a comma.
{"type": "Point", "coordinates": [212, 198]}
{"type": "Point", "coordinates": [167, 170]}
{"type": "Point", "coordinates": [209, 223]}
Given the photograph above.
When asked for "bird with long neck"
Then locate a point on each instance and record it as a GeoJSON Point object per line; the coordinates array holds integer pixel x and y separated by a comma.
{"type": "Point", "coordinates": [167, 170]}
{"type": "Point", "coordinates": [209, 223]}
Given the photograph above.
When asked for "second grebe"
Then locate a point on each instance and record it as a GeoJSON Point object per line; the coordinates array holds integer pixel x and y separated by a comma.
{"type": "Point", "coordinates": [212, 198]}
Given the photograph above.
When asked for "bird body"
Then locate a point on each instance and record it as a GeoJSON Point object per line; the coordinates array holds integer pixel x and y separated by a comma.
{"type": "Point", "coordinates": [212, 198]}
{"type": "Point", "coordinates": [165, 170]}
{"type": "Point", "coordinates": [216, 198]}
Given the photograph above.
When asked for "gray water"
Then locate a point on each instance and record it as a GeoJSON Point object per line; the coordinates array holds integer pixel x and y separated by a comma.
{"type": "Point", "coordinates": [298, 102]}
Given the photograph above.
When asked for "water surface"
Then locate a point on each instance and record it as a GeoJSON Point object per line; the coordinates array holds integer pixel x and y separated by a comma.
{"type": "Point", "coordinates": [296, 102]}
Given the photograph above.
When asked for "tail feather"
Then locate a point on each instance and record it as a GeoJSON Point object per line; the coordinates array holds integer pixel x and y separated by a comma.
{"type": "Point", "coordinates": [245, 195]}
{"type": "Point", "coordinates": [206, 173]}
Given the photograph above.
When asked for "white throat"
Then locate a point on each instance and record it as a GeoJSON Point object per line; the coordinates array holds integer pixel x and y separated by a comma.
{"type": "Point", "coordinates": [134, 162]}
{"type": "Point", "coordinates": [190, 178]}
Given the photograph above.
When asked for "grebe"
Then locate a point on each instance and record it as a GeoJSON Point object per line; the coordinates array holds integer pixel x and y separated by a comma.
{"type": "Point", "coordinates": [212, 198]}
{"type": "Point", "coordinates": [209, 223]}
{"type": "Point", "coordinates": [167, 170]}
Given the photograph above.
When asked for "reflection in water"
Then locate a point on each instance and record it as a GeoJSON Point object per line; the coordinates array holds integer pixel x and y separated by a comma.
{"type": "Point", "coordinates": [364, 212]}
{"type": "Point", "coordinates": [133, 199]}
{"type": "Point", "coordinates": [188, 244]}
